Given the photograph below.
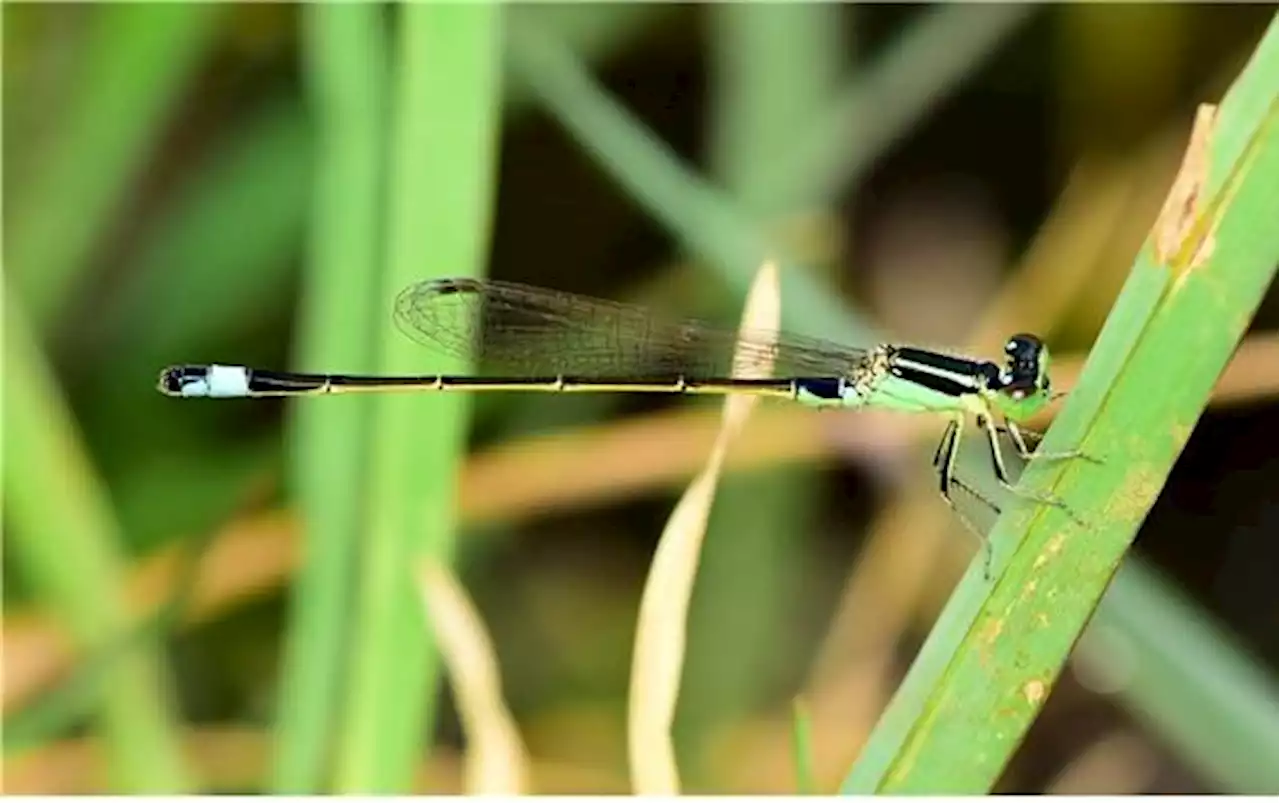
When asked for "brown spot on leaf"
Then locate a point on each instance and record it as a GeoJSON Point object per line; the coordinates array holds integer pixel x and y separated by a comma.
{"type": "Point", "coordinates": [990, 633]}
{"type": "Point", "coordinates": [1034, 691]}
{"type": "Point", "coordinates": [1176, 224]}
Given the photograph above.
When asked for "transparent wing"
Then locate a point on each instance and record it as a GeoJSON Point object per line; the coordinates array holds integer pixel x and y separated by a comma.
{"type": "Point", "coordinates": [515, 330]}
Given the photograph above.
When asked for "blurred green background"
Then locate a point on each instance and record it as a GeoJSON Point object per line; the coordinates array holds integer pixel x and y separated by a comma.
{"type": "Point", "coordinates": [204, 597]}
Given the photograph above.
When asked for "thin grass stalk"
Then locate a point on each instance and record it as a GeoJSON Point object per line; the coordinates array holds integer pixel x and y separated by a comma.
{"type": "Point", "coordinates": [347, 53]}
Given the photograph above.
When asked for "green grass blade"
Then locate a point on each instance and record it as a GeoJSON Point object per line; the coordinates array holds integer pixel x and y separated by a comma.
{"type": "Point", "coordinates": [135, 66]}
{"type": "Point", "coordinates": [994, 655]}
{"type": "Point", "coordinates": [916, 73]}
{"type": "Point", "coordinates": [595, 31]}
{"type": "Point", "coordinates": [802, 748]}
{"type": "Point", "coordinates": [772, 65]}
{"type": "Point", "coordinates": [255, 183]}
{"type": "Point", "coordinates": [64, 539]}
{"type": "Point", "coordinates": [1194, 687]}
{"type": "Point", "coordinates": [701, 216]}
{"type": "Point", "coordinates": [341, 311]}
{"type": "Point", "coordinates": [73, 698]}
{"type": "Point", "coordinates": [442, 173]}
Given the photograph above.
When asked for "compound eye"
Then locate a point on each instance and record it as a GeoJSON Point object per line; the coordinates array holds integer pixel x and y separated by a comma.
{"type": "Point", "coordinates": [1024, 347]}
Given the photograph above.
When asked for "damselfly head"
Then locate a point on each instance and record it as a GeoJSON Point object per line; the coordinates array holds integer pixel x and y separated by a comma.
{"type": "Point", "coordinates": [1026, 366]}
{"type": "Point", "coordinates": [1022, 387]}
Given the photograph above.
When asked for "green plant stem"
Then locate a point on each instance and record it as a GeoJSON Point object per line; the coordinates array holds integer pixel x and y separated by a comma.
{"type": "Point", "coordinates": [802, 748]}
{"type": "Point", "coordinates": [1189, 682]}
{"type": "Point", "coordinates": [136, 63]}
{"type": "Point", "coordinates": [442, 170]}
{"type": "Point", "coordinates": [992, 659]}
{"type": "Point", "coordinates": [341, 311]}
{"type": "Point", "coordinates": [702, 217]}
{"type": "Point", "coordinates": [64, 539]}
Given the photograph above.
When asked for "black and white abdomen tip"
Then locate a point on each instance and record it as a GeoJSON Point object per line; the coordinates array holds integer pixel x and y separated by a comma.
{"type": "Point", "coordinates": [209, 381]}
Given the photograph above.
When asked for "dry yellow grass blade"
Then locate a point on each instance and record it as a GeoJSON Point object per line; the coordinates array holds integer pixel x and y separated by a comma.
{"type": "Point", "coordinates": [248, 558]}
{"type": "Point", "coordinates": [233, 758]}
{"type": "Point", "coordinates": [664, 606]}
{"type": "Point", "coordinates": [496, 760]}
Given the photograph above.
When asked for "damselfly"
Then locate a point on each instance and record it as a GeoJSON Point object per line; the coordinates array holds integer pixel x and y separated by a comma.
{"type": "Point", "coordinates": [530, 339]}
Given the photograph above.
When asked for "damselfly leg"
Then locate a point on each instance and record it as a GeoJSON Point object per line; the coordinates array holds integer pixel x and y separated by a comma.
{"type": "Point", "coordinates": [1028, 453]}
{"type": "Point", "coordinates": [944, 461]}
